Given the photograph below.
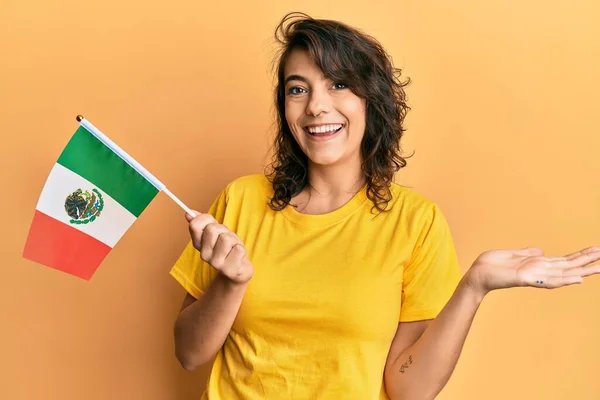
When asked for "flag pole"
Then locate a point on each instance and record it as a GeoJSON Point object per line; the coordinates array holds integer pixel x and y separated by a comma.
{"type": "Point", "coordinates": [132, 162]}
{"type": "Point", "coordinates": [179, 202]}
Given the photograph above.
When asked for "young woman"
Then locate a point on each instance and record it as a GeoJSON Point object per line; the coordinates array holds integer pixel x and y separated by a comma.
{"type": "Point", "coordinates": [323, 279]}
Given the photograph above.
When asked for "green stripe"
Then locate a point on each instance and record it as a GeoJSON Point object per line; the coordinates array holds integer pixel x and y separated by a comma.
{"type": "Point", "coordinates": [91, 159]}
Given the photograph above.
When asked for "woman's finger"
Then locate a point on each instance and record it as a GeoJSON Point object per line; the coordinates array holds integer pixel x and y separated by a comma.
{"type": "Point", "coordinates": [237, 254]}
{"type": "Point", "coordinates": [235, 262]}
{"type": "Point", "coordinates": [586, 270]}
{"type": "Point", "coordinates": [582, 259]}
{"type": "Point", "coordinates": [196, 228]}
{"type": "Point", "coordinates": [190, 217]}
{"type": "Point", "coordinates": [529, 252]}
{"type": "Point", "coordinates": [226, 241]}
{"type": "Point", "coordinates": [197, 224]}
{"type": "Point", "coordinates": [209, 239]}
{"type": "Point", "coordinates": [579, 253]}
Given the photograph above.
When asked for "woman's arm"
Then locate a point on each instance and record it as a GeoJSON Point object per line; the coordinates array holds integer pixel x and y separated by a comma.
{"type": "Point", "coordinates": [423, 368]}
{"type": "Point", "coordinates": [203, 325]}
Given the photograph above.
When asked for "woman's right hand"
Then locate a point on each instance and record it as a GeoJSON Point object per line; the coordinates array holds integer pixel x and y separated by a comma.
{"type": "Point", "coordinates": [220, 247]}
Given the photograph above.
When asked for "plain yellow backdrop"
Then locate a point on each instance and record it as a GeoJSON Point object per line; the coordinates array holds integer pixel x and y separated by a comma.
{"type": "Point", "coordinates": [504, 125]}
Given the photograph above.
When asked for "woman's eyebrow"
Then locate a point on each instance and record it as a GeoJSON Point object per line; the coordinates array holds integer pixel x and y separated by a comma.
{"type": "Point", "coordinates": [295, 78]}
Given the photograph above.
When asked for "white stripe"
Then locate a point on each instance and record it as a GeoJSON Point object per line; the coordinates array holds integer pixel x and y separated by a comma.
{"type": "Point", "coordinates": [121, 153]}
{"type": "Point", "coordinates": [108, 227]}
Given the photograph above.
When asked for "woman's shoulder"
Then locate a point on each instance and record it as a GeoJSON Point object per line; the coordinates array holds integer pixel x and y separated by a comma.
{"type": "Point", "coordinates": [249, 182]}
{"type": "Point", "coordinates": [409, 201]}
{"type": "Point", "coordinates": [407, 194]}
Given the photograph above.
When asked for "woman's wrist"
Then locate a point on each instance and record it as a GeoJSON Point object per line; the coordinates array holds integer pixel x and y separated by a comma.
{"type": "Point", "coordinates": [471, 283]}
{"type": "Point", "coordinates": [230, 284]}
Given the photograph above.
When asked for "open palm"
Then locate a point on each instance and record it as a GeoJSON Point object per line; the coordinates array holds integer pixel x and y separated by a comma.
{"type": "Point", "coordinates": [500, 269]}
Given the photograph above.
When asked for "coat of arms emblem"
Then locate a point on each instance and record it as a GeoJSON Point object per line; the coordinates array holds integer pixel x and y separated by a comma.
{"type": "Point", "coordinates": [84, 207]}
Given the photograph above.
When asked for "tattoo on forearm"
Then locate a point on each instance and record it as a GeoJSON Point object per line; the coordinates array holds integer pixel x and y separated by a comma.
{"type": "Point", "coordinates": [404, 366]}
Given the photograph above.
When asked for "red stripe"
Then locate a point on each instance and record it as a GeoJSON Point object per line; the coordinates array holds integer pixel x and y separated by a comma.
{"type": "Point", "coordinates": [62, 247]}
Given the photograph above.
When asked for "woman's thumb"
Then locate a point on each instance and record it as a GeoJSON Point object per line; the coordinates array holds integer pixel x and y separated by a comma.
{"type": "Point", "coordinates": [531, 252]}
{"type": "Point", "coordinates": [190, 217]}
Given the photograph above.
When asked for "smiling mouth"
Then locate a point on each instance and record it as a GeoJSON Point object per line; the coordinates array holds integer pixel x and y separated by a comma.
{"type": "Point", "coordinates": [324, 130]}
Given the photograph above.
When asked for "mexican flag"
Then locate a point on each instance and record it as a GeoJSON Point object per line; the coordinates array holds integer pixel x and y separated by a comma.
{"type": "Point", "coordinates": [93, 194]}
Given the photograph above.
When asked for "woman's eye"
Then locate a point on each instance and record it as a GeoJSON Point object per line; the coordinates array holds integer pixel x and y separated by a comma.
{"type": "Point", "coordinates": [339, 86]}
{"type": "Point", "coordinates": [296, 90]}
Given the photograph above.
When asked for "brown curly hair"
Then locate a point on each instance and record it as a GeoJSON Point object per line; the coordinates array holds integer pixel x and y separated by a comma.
{"type": "Point", "coordinates": [347, 55]}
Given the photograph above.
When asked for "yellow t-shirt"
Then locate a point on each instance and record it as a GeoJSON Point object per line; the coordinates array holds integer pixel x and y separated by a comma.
{"type": "Point", "coordinates": [328, 291]}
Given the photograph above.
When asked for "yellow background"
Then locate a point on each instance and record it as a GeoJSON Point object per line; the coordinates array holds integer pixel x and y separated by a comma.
{"type": "Point", "coordinates": [504, 125]}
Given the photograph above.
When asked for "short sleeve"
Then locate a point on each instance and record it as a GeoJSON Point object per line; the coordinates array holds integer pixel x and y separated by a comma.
{"type": "Point", "coordinates": [433, 272]}
{"type": "Point", "coordinates": [193, 273]}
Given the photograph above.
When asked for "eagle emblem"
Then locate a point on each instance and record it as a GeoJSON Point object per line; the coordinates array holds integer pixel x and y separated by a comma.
{"type": "Point", "coordinates": [84, 207]}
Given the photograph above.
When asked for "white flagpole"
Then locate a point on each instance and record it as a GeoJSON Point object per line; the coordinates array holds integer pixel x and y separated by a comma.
{"type": "Point", "coordinates": [132, 162]}
{"type": "Point", "coordinates": [179, 202]}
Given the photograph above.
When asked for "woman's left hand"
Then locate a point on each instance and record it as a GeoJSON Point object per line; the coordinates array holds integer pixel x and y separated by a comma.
{"type": "Point", "coordinates": [501, 269]}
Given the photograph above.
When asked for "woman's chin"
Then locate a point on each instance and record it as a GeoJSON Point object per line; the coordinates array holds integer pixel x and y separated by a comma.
{"type": "Point", "coordinates": [325, 159]}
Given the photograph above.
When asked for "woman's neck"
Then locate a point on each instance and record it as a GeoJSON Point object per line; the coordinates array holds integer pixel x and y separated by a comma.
{"type": "Point", "coordinates": [329, 188]}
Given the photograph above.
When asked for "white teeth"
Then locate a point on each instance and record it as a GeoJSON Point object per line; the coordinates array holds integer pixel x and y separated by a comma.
{"type": "Point", "coordinates": [324, 128]}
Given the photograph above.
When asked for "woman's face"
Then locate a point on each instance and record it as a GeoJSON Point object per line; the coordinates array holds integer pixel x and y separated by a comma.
{"type": "Point", "coordinates": [326, 118]}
